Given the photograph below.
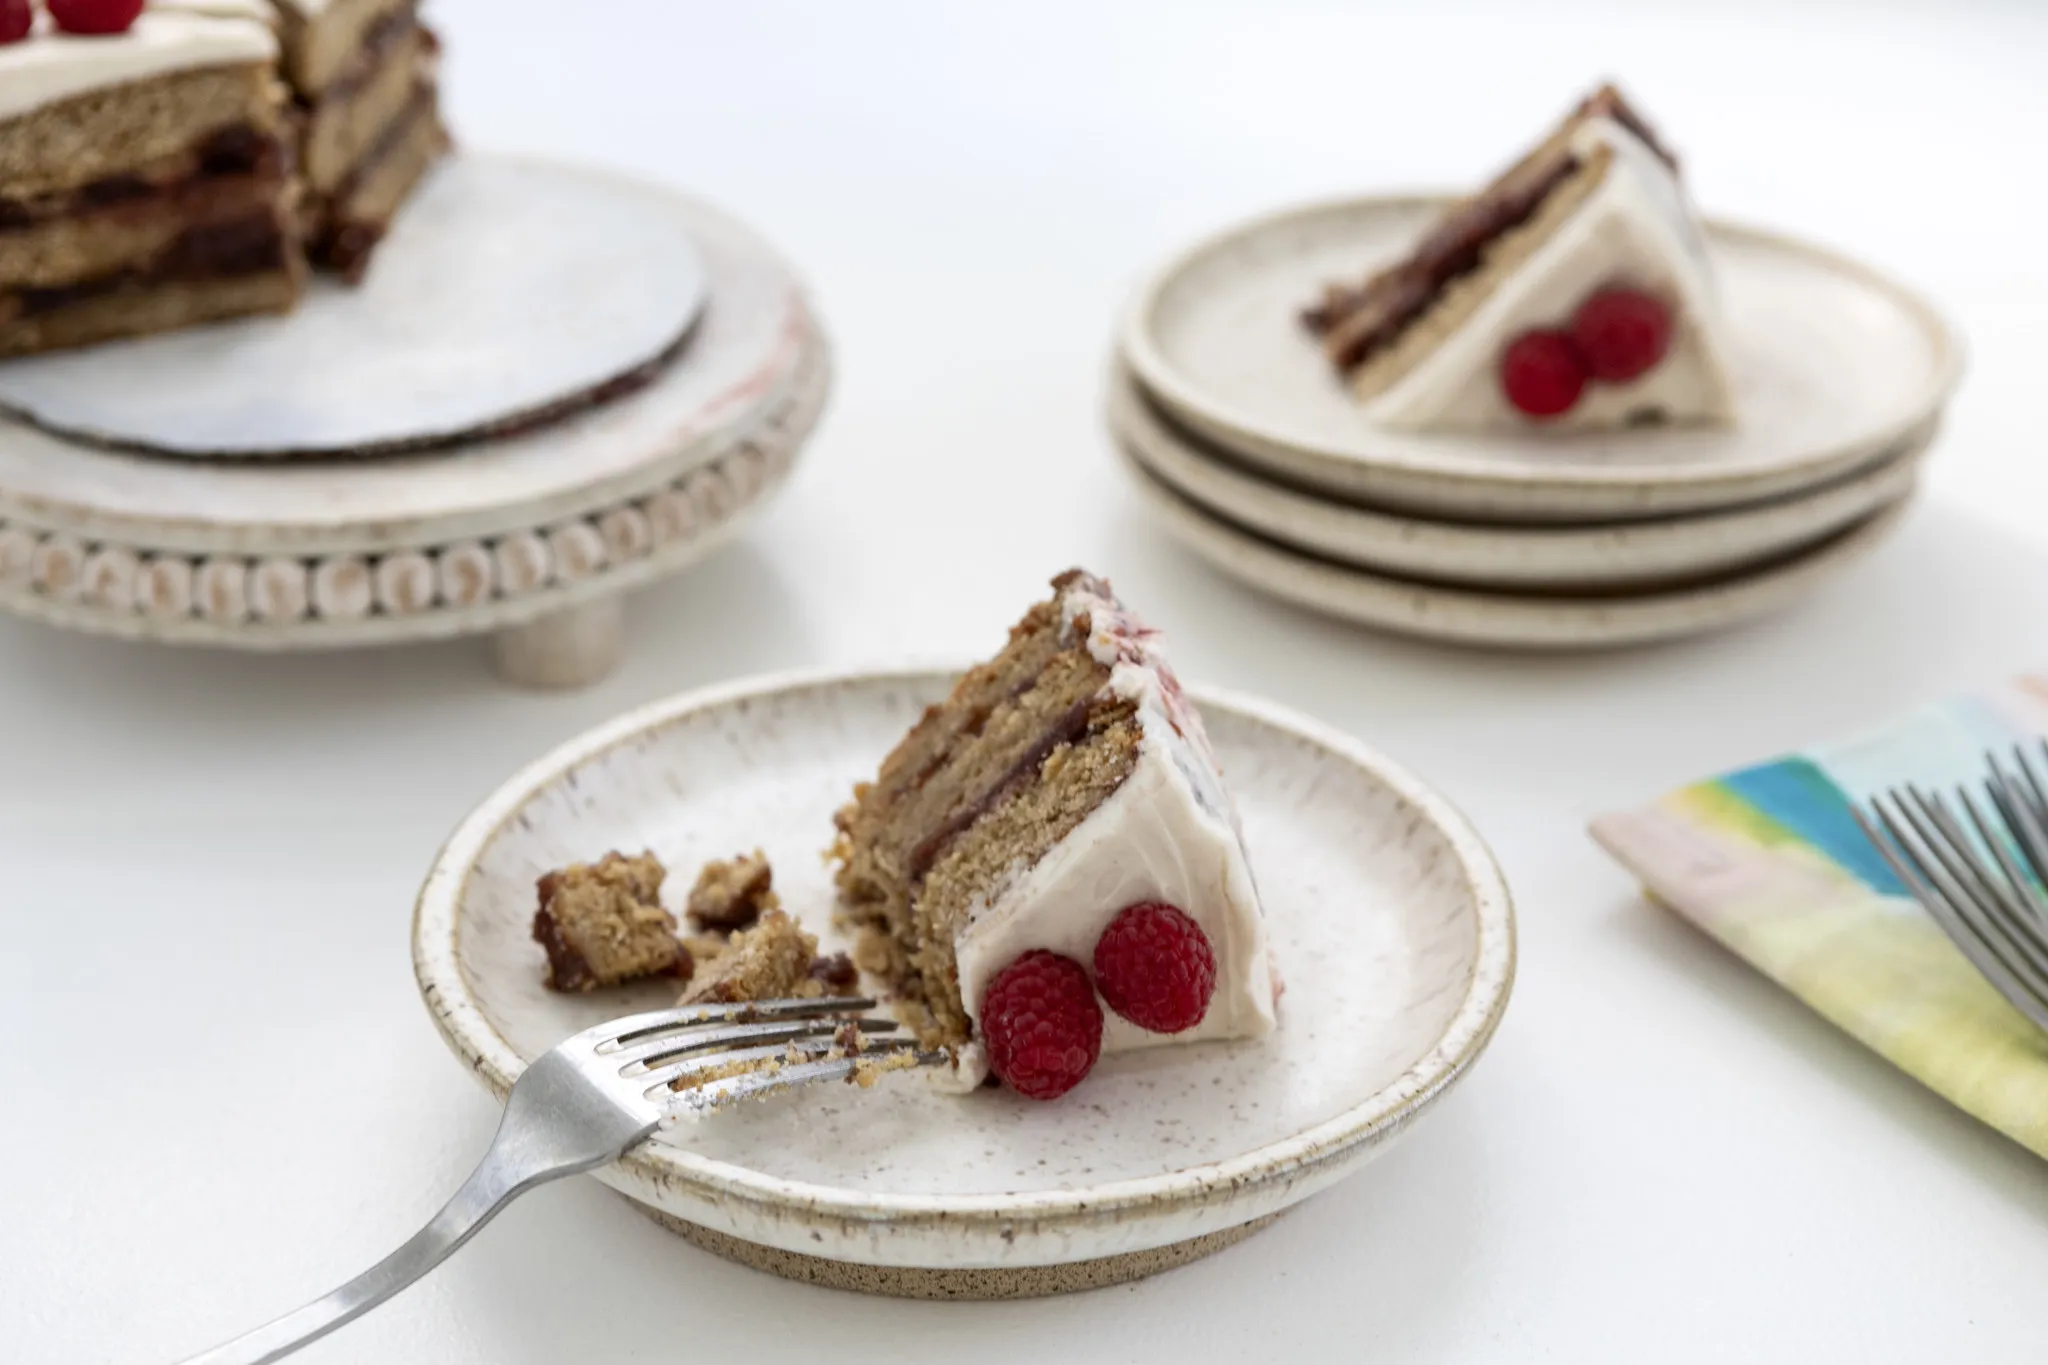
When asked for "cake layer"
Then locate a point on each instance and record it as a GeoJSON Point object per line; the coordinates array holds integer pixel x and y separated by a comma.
{"type": "Point", "coordinates": [93, 245]}
{"type": "Point", "coordinates": [234, 151]}
{"type": "Point", "coordinates": [323, 37]}
{"type": "Point", "coordinates": [360, 211]}
{"type": "Point", "coordinates": [346, 122]}
{"type": "Point", "coordinates": [105, 134]}
{"type": "Point", "coordinates": [132, 308]}
{"type": "Point", "coordinates": [171, 36]}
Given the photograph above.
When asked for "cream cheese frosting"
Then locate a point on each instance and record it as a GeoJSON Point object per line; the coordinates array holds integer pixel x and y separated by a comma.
{"type": "Point", "coordinates": [171, 35]}
{"type": "Point", "coordinates": [1638, 230]}
{"type": "Point", "coordinates": [1169, 833]}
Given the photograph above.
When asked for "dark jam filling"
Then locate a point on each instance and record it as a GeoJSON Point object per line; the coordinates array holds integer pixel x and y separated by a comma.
{"type": "Point", "coordinates": [251, 245]}
{"type": "Point", "coordinates": [227, 154]}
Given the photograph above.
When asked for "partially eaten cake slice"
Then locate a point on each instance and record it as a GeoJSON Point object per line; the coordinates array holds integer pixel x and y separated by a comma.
{"type": "Point", "coordinates": [1575, 291]}
{"type": "Point", "coordinates": [145, 177]}
{"type": "Point", "coordinates": [1048, 867]}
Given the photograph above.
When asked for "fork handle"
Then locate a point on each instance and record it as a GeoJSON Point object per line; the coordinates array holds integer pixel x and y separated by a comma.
{"type": "Point", "coordinates": [504, 1174]}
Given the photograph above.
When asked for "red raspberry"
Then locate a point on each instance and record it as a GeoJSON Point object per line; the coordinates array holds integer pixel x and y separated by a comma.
{"type": "Point", "coordinates": [1542, 374]}
{"type": "Point", "coordinates": [1623, 333]}
{"type": "Point", "coordinates": [16, 19]}
{"type": "Point", "coordinates": [1042, 1025]}
{"type": "Point", "coordinates": [1155, 967]}
{"type": "Point", "coordinates": [95, 16]}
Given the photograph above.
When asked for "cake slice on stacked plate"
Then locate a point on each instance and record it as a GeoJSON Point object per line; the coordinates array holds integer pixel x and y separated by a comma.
{"type": "Point", "coordinates": [1560, 411]}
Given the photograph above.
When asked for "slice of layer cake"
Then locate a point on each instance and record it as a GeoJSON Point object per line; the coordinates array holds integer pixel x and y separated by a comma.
{"type": "Point", "coordinates": [1574, 291]}
{"type": "Point", "coordinates": [1048, 867]}
{"type": "Point", "coordinates": [145, 177]}
{"type": "Point", "coordinates": [366, 77]}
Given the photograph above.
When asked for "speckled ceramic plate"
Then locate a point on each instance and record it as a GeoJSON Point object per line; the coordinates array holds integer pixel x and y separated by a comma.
{"type": "Point", "coordinates": [1638, 555]}
{"type": "Point", "coordinates": [507, 290]}
{"type": "Point", "coordinates": [1507, 620]}
{"type": "Point", "coordinates": [1390, 921]}
{"type": "Point", "coordinates": [1833, 362]}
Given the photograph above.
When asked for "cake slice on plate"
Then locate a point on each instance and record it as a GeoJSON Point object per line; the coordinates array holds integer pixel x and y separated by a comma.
{"type": "Point", "coordinates": [1573, 292]}
{"type": "Point", "coordinates": [1048, 867]}
{"type": "Point", "coordinates": [145, 176]}
{"type": "Point", "coordinates": [366, 77]}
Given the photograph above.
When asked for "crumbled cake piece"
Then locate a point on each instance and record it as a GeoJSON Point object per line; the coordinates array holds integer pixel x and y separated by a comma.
{"type": "Point", "coordinates": [602, 923]}
{"type": "Point", "coordinates": [732, 893]}
{"type": "Point", "coordinates": [771, 961]}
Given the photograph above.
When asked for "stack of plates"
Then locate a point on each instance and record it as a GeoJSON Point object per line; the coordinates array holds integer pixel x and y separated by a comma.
{"type": "Point", "coordinates": [1256, 458]}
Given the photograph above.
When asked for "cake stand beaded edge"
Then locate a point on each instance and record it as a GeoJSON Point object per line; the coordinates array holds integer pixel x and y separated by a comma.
{"type": "Point", "coordinates": [549, 590]}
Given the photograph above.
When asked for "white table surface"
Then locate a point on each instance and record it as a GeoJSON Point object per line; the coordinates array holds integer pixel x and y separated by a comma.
{"type": "Point", "coordinates": [219, 1093]}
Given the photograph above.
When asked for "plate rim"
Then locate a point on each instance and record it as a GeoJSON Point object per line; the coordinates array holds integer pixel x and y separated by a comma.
{"type": "Point", "coordinates": [1252, 438]}
{"type": "Point", "coordinates": [462, 1025]}
{"type": "Point", "coordinates": [1211, 539]}
{"type": "Point", "coordinates": [1143, 433]}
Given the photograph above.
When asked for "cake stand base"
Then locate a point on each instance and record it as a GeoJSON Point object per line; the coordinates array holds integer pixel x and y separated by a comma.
{"type": "Point", "coordinates": [922, 1282]}
{"type": "Point", "coordinates": [565, 649]}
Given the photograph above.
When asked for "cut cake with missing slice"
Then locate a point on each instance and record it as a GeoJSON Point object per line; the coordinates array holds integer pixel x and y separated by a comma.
{"type": "Point", "coordinates": [1596, 209]}
{"type": "Point", "coordinates": [1062, 782]}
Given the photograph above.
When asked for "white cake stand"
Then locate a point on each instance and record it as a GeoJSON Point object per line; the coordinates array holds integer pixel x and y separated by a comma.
{"type": "Point", "coordinates": [530, 537]}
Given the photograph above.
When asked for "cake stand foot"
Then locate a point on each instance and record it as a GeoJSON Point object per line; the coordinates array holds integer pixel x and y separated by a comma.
{"type": "Point", "coordinates": [572, 648]}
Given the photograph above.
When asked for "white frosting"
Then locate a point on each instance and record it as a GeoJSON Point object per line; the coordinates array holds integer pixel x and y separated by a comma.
{"type": "Point", "coordinates": [172, 35]}
{"type": "Point", "coordinates": [1636, 229]}
{"type": "Point", "coordinates": [1168, 833]}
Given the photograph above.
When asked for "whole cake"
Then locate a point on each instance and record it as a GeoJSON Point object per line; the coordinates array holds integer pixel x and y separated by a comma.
{"type": "Point", "coordinates": [156, 171]}
{"type": "Point", "coordinates": [1574, 291]}
{"type": "Point", "coordinates": [1048, 867]}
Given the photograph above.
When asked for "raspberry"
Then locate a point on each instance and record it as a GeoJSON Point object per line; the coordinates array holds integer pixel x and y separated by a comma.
{"type": "Point", "coordinates": [16, 19]}
{"type": "Point", "coordinates": [95, 16]}
{"type": "Point", "coordinates": [1155, 967]}
{"type": "Point", "coordinates": [1042, 1025]}
{"type": "Point", "coordinates": [1542, 374]}
{"type": "Point", "coordinates": [1623, 333]}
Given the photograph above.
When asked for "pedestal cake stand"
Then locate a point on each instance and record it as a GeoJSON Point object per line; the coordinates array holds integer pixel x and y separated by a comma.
{"type": "Point", "coordinates": [525, 518]}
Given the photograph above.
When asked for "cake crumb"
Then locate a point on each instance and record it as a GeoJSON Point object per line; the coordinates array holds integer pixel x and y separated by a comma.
{"type": "Point", "coordinates": [603, 923]}
{"type": "Point", "coordinates": [771, 961]}
{"type": "Point", "coordinates": [732, 893]}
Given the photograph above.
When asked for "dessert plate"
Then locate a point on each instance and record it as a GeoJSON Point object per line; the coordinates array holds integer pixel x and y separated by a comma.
{"type": "Point", "coordinates": [509, 291]}
{"type": "Point", "coordinates": [1390, 921]}
{"type": "Point", "coordinates": [1834, 363]}
{"type": "Point", "coordinates": [1513, 620]}
{"type": "Point", "coordinates": [1637, 555]}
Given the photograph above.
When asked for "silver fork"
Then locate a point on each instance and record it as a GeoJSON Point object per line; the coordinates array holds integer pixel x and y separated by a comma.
{"type": "Point", "coordinates": [1988, 901]}
{"type": "Point", "coordinates": [588, 1102]}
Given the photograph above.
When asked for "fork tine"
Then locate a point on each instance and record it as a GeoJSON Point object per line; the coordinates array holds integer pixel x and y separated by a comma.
{"type": "Point", "coordinates": [1943, 900]}
{"type": "Point", "coordinates": [2014, 909]}
{"type": "Point", "coordinates": [665, 1069]}
{"type": "Point", "coordinates": [2019, 754]}
{"type": "Point", "coordinates": [652, 1051]}
{"type": "Point", "coordinates": [635, 1027]}
{"type": "Point", "coordinates": [761, 1084]}
{"type": "Point", "coordinates": [2022, 815]}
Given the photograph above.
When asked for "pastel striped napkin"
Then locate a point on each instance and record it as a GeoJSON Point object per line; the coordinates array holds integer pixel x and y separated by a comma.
{"type": "Point", "coordinates": [1768, 861]}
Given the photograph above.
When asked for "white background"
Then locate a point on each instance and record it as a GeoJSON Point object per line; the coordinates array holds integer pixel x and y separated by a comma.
{"type": "Point", "coordinates": [219, 1093]}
